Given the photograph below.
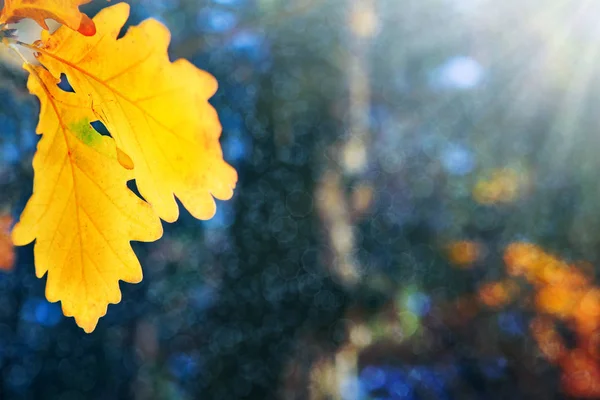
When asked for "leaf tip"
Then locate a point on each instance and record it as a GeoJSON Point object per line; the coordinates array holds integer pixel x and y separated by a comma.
{"type": "Point", "coordinates": [87, 319]}
{"type": "Point", "coordinates": [19, 236]}
{"type": "Point", "coordinates": [88, 326]}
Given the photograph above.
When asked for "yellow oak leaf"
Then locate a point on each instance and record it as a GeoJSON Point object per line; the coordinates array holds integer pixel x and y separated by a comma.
{"type": "Point", "coordinates": [64, 11]}
{"type": "Point", "coordinates": [81, 214]}
{"type": "Point", "coordinates": [156, 110]}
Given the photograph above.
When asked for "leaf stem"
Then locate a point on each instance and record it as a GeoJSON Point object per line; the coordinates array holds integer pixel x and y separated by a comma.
{"type": "Point", "coordinates": [26, 45]}
{"type": "Point", "coordinates": [17, 52]}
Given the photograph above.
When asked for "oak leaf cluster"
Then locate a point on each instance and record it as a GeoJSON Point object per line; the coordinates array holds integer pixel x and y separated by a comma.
{"type": "Point", "coordinates": [163, 134]}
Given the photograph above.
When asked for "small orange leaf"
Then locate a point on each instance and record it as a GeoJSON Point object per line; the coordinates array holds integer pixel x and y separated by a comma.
{"type": "Point", "coordinates": [64, 11]}
{"type": "Point", "coordinates": [156, 110]}
{"type": "Point", "coordinates": [81, 214]}
{"type": "Point", "coordinates": [7, 251]}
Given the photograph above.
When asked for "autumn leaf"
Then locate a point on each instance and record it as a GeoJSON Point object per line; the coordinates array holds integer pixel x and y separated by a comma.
{"type": "Point", "coordinates": [7, 251]}
{"type": "Point", "coordinates": [156, 110]}
{"type": "Point", "coordinates": [64, 11]}
{"type": "Point", "coordinates": [81, 213]}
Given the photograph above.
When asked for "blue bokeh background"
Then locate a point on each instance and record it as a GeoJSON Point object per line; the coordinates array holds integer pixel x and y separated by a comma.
{"type": "Point", "coordinates": [368, 135]}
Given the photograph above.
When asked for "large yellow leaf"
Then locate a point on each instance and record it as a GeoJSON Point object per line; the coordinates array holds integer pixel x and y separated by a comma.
{"type": "Point", "coordinates": [64, 11]}
{"type": "Point", "coordinates": [81, 213]}
{"type": "Point", "coordinates": [156, 110]}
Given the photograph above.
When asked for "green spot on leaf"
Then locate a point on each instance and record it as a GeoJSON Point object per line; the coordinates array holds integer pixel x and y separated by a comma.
{"type": "Point", "coordinates": [84, 132]}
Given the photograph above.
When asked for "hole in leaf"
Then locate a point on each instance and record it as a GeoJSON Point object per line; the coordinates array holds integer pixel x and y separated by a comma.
{"type": "Point", "coordinates": [133, 187]}
{"type": "Point", "coordinates": [64, 84]}
{"type": "Point", "coordinates": [123, 31]}
{"type": "Point", "coordinates": [100, 128]}
{"type": "Point", "coordinates": [134, 19]}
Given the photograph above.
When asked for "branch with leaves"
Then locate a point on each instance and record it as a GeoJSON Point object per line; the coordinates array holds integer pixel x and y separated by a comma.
{"type": "Point", "coordinates": [163, 134]}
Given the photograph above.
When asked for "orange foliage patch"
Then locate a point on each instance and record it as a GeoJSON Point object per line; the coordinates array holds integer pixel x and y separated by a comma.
{"type": "Point", "coordinates": [464, 253]}
{"type": "Point", "coordinates": [541, 268]}
{"type": "Point", "coordinates": [563, 292]}
{"type": "Point", "coordinates": [502, 186]}
{"type": "Point", "coordinates": [549, 340]}
{"type": "Point", "coordinates": [7, 251]}
{"type": "Point", "coordinates": [557, 300]}
{"type": "Point", "coordinates": [581, 374]}
{"type": "Point", "coordinates": [498, 294]}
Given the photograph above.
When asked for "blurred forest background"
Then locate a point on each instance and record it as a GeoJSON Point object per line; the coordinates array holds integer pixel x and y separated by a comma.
{"type": "Point", "coordinates": [417, 214]}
